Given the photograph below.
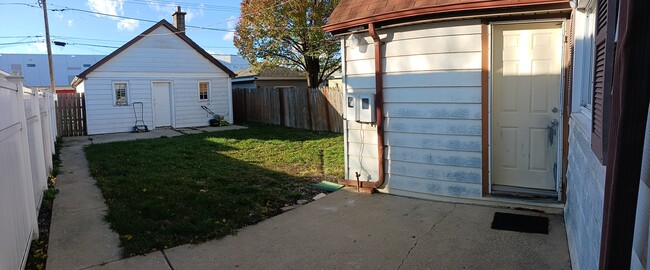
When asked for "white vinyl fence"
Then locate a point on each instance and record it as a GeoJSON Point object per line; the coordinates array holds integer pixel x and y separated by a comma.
{"type": "Point", "coordinates": [27, 136]}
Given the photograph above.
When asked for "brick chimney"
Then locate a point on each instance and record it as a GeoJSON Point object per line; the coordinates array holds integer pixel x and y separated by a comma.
{"type": "Point", "coordinates": [179, 19]}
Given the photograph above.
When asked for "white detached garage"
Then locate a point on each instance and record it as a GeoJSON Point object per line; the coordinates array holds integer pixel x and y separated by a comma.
{"type": "Point", "coordinates": [165, 70]}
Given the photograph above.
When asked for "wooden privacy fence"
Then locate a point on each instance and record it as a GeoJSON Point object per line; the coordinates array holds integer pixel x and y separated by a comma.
{"type": "Point", "coordinates": [318, 109]}
{"type": "Point", "coordinates": [71, 114]}
{"type": "Point", "coordinates": [27, 137]}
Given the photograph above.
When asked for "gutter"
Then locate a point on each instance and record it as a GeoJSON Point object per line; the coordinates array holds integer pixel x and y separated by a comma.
{"type": "Point", "coordinates": [368, 186]}
{"type": "Point", "coordinates": [76, 81]}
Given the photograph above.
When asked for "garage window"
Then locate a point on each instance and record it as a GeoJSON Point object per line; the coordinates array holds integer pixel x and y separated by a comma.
{"type": "Point", "coordinates": [204, 91]}
{"type": "Point", "coordinates": [120, 89]}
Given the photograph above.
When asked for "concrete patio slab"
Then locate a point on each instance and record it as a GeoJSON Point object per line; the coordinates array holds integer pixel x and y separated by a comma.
{"type": "Point", "coordinates": [189, 131]}
{"type": "Point", "coordinates": [464, 240]}
{"type": "Point", "coordinates": [155, 260]}
{"type": "Point", "coordinates": [213, 129]}
{"type": "Point", "coordinates": [153, 134]}
{"type": "Point", "coordinates": [128, 136]}
{"type": "Point", "coordinates": [346, 230]}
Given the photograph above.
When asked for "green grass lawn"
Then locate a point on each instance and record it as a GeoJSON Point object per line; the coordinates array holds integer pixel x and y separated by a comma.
{"type": "Point", "coordinates": [171, 191]}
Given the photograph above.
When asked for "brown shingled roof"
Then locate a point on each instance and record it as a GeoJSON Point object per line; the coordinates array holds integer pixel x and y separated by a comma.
{"type": "Point", "coordinates": [351, 13]}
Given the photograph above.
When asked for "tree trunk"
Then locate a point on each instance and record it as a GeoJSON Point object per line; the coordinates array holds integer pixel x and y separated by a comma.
{"type": "Point", "coordinates": [313, 70]}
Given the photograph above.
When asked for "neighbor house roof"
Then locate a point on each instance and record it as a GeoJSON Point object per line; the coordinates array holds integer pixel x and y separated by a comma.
{"type": "Point", "coordinates": [273, 73]}
{"type": "Point", "coordinates": [162, 23]}
{"type": "Point", "coordinates": [351, 13]}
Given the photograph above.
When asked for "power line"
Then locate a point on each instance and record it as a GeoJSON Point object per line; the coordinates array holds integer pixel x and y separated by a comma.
{"type": "Point", "coordinates": [63, 44]}
{"type": "Point", "coordinates": [65, 8]}
{"type": "Point", "coordinates": [91, 39]}
{"type": "Point", "coordinates": [162, 3]}
{"type": "Point", "coordinates": [20, 37]}
{"type": "Point", "coordinates": [251, 14]}
{"type": "Point", "coordinates": [59, 43]}
{"type": "Point", "coordinates": [18, 42]}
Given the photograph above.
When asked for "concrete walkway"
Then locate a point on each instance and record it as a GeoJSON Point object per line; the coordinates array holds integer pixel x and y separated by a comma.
{"type": "Point", "coordinates": [79, 236]}
{"type": "Point", "coordinates": [344, 230]}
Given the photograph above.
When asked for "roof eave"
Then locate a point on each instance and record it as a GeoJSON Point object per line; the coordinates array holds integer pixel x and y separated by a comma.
{"type": "Point", "coordinates": [281, 78]}
{"type": "Point", "coordinates": [76, 82]}
{"type": "Point", "coordinates": [469, 7]}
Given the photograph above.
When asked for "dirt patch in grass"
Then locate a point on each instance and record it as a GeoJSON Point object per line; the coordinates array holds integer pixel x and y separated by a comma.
{"type": "Point", "coordinates": [171, 191]}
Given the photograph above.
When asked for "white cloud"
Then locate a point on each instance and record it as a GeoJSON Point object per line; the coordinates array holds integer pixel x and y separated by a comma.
{"type": "Point", "coordinates": [128, 24]}
{"type": "Point", "coordinates": [154, 5]}
{"type": "Point", "coordinates": [111, 7]}
{"type": "Point", "coordinates": [213, 52]}
{"type": "Point", "coordinates": [169, 8]}
{"type": "Point", "coordinates": [70, 23]}
{"type": "Point", "coordinates": [41, 46]}
{"type": "Point", "coordinates": [229, 36]}
{"type": "Point", "coordinates": [232, 23]}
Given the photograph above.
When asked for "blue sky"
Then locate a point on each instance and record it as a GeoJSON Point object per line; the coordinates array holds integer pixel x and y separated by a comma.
{"type": "Point", "coordinates": [91, 31]}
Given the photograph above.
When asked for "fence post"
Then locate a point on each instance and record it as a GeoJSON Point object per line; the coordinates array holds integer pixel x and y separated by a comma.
{"type": "Point", "coordinates": [310, 119]}
{"type": "Point", "coordinates": [282, 111]}
{"type": "Point", "coordinates": [24, 156]}
{"type": "Point", "coordinates": [327, 108]}
{"type": "Point", "coordinates": [83, 115]}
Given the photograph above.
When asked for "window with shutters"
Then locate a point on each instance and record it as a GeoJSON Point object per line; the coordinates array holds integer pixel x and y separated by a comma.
{"type": "Point", "coordinates": [603, 69]}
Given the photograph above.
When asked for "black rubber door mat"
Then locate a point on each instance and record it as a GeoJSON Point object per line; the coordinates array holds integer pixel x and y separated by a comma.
{"type": "Point", "coordinates": [520, 223]}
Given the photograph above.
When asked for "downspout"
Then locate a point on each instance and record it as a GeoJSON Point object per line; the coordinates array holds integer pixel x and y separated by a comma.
{"type": "Point", "coordinates": [379, 104]}
{"type": "Point", "coordinates": [379, 113]}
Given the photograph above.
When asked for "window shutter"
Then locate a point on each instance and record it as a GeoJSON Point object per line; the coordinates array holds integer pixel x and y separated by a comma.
{"type": "Point", "coordinates": [603, 75]}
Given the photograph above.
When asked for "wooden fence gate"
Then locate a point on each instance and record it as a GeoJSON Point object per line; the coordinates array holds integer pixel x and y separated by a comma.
{"type": "Point", "coordinates": [315, 109]}
{"type": "Point", "coordinates": [71, 114]}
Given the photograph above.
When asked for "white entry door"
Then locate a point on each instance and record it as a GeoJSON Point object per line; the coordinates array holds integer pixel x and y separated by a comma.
{"type": "Point", "coordinates": [526, 86]}
{"type": "Point", "coordinates": [162, 106]}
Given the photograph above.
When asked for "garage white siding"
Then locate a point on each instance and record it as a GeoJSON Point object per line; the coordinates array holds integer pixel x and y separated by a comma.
{"type": "Point", "coordinates": [432, 108]}
{"type": "Point", "coordinates": [188, 107]}
{"type": "Point", "coordinates": [159, 57]}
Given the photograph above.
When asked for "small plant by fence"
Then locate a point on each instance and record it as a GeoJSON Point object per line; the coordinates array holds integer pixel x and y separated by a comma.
{"type": "Point", "coordinates": [315, 109]}
{"type": "Point", "coordinates": [71, 114]}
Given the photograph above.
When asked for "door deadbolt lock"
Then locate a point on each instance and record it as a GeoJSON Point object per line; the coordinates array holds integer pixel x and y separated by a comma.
{"type": "Point", "coordinates": [554, 109]}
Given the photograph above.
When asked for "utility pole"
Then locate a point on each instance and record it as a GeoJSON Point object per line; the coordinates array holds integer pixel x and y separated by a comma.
{"type": "Point", "coordinates": [49, 45]}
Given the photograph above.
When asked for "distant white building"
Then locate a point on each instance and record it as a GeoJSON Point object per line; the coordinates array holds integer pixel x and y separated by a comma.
{"type": "Point", "coordinates": [232, 61]}
{"type": "Point", "coordinates": [34, 68]}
